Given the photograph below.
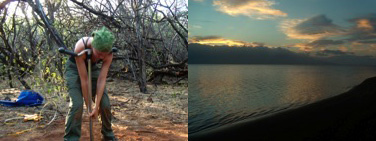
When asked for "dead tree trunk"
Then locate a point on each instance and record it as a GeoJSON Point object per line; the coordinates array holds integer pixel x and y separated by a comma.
{"type": "Point", "coordinates": [10, 79]}
{"type": "Point", "coordinates": [140, 49]}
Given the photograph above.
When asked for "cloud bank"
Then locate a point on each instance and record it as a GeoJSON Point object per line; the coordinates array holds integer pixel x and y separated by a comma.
{"type": "Point", "coordinates": [218, 41]}
{"type": "Point", "coordinates": [320, 32]}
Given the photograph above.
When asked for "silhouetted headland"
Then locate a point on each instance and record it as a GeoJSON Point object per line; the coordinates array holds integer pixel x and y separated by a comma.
{"type": "Point", "coordinates": [348, 116]}
{"type": "Point", "coordinates": [205, 54]}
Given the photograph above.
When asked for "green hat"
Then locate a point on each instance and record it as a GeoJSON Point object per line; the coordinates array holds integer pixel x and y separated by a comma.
{"type": "Point", "coordinates": [103, 40]}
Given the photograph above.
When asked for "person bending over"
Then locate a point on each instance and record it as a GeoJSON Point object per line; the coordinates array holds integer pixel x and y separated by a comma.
{"type": "Point", "coordinates": [76, 77]}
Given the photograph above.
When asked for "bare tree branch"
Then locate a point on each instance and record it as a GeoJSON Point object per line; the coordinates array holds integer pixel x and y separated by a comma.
{"type": "Point", "coordinates": [4, 3]}
{"type": "Point", "coordinates": [111, 19]}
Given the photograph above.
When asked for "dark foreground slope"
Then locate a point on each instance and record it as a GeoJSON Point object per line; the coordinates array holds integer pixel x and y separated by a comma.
{"type": "Point", "coordinates": [349, 116]}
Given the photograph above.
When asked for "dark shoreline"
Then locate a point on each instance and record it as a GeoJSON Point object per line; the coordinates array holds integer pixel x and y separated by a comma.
{"type": "Point", "coordinates": [345, 65]}
{"type": "Point", "coordinates": [348, 116]}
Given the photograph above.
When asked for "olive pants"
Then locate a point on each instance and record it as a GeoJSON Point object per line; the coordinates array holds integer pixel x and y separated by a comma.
{"type": "Point", "coordinates": [74, 117]}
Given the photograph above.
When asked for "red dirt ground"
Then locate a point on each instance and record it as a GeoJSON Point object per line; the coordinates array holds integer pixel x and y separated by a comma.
{"type": "Point", "coordinates": [136, 117]}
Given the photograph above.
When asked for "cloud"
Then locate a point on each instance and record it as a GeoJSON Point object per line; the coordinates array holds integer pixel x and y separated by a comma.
{"type": "Point", "coordinates": [363, 48]}
{"type": "Point", "coordinates": [364, 24]}
{"type": "Point", "coordinates": [320, 27]}
{"type": "Point", "coordinates": [218, 41]}
{"type": "Point", "coordinates": [364, 29]}
{"type": "Point", "coordinates": [313, 28]}
{"type": "Point", "coordinates": [323, 43]}
{"type": "Point", "coordinates": [321, 32]}
{"type": "Point", "coordinates": [258, 9]}
{"type": "Point", "coordinates": [343, 48]}
{"type": "Point", "coordinates": [327, 53]}
{"type": "Point", "coordinates": [368, 42]}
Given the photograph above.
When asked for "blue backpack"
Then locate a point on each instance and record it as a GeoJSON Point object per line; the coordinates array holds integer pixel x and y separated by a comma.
{"type": "Point", "coordinates": [26, 98]}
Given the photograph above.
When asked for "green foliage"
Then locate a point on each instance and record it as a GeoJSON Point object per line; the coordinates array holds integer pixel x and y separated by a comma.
{"type": "Point", "coordinates": [53, 88]}
{"type": "Point", "coordinates": [175, 94]}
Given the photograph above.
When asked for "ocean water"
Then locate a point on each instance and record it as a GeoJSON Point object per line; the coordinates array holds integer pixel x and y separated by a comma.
{"type": "Point", "coordinates": [224, 94]}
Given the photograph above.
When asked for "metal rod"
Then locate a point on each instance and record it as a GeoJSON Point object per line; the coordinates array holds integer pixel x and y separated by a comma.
{"type": "Point", "coordinates": [90, 93]}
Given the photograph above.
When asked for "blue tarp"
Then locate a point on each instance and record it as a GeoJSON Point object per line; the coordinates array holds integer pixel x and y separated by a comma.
{"type": "Point", "coordinates": [26, 98]}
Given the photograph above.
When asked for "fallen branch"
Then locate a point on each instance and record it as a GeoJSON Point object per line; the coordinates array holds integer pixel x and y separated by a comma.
{"type": "Point", "coordinates": [52, 119]}
{"type": "Point", "coordinates": [5, 121]}
{"type": "Point", "coordinates": [177, 81]}
{"type": "Point", "coordinates": [168, 65]}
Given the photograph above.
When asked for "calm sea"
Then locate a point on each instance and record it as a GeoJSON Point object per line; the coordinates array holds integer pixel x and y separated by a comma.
{"type": "Point", "coordinates": [224, 94]}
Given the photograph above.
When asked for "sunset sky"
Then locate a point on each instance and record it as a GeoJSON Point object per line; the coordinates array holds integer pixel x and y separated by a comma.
{"type": "Point", "coordinates": [345, 26]}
